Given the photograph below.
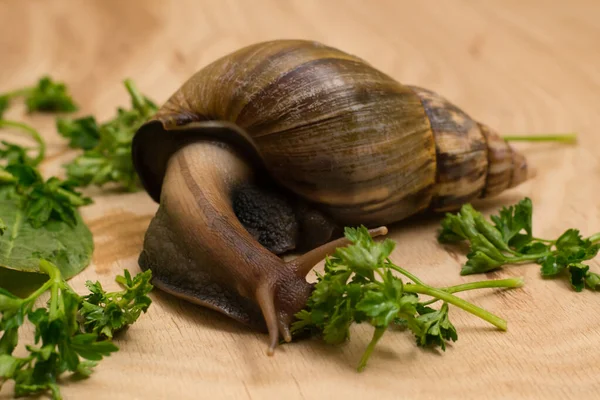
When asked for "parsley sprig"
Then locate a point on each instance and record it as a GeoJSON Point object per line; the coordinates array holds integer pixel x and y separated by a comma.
{"type": "Point", "coordinates": [509, 240]}
{"type": "Point", "coordinates": [46, 96]}
{"type": "Point", "coordinates": [359, 285]}
{"type": "Point", "coordinates": [68, 336]}
{"type": "Point", "coordinates": [107, 156]}
{"type": "Point", "coordinates": [42, 200]}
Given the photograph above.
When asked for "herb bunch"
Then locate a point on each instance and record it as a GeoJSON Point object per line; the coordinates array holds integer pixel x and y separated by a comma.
{"type": "Point", "coordinates": [42, 200]}
{"type": "Point", "coordinates": [46, 96]}
{"type": "Point", "coordinates": [107, 146]}
{"type": "Point", "coordinates": [359, 285]}
{"type": "Point", "coordinates": [72, 333]}
{"type": "Point", "coordinates": [509, 240]}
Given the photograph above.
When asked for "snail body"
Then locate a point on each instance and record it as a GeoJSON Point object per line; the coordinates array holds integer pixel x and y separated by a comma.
{"type": "Point", "coordinates": [278, 146]}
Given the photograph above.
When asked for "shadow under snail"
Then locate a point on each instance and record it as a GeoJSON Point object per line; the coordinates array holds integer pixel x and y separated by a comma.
{"type": "Point", "coordinates": [278, 146]}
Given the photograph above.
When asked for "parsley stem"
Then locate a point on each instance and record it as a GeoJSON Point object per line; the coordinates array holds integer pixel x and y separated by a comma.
{"type": "Point", "coordinates": [136, 98]}
{"type": "Point", "coordinates": [594, 238]}
{"type": "Point", "coordinates": [543, 240]}
{"type": "Point", "coordinates": [497, 283]}
{"type": "Point", "coordinates": [528, 257]}
{"type": "Point", "coordinates": [458, 302]}
{"type": "Point", "coordinates": [563, 138]}
{"type": "Point", "coordinates": [405, 273]}
{"type": "Point", "coordinates": [33, 133]}
{"type": "Point", "coordinates": [18, 92]}
{"type": "Point", "coordinates": [379, 331]}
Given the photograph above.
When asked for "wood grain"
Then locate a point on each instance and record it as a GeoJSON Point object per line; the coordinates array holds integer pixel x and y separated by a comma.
{"type": "Point", "coordinates": [518, 66]}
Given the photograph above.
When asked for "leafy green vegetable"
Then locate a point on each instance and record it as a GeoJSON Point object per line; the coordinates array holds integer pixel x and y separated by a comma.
{"type": "Point", "coordinates": [69, 246]}
{"type": "Point", "coordinates": [107, 156]}
{"type": "Point", "coordinates": [46, 96]}
{"type": "Point", "coordinates": [42, 200]}
{"type": "Point", "coordinates": [510, 241]}
{"type": "Point", "coordinates": [63, 343]}
{"type": "Point", "coordinates": [49, 95]}
{"type": "Point", "coordinates": [83, 133]}
{"type": "Point", "coordinates": [359, 286]}
{"type": "Point", "coordinates": [105, 313]}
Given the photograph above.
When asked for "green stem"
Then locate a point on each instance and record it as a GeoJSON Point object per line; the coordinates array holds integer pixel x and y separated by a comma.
{"type": "Point", "coordinates": [527, 257]}
{"type": "Point", "coordinates": [379, 331]}
{"type": "Point", "coordinates": [458, 302]}
{"type": "Point", "coordinates": [498, 283]}
{"type": "Point", "coordinates": [33, 133]}
{"type": "Point", "coordinates": [75, 201]}
{"type": "Point", "coordinates": [17, 93]}
{"type": "Point", "coordinates": [405, 273]}
{"type": "Point", "coordinates": [136, 97]}
{"type": "Point", "coordinates": [594, 238]}
{"type": "Point", "coordinates": [39, 291]}
{"type": "Point", "coordinates": [563, 138]}
{"type": "Point", "coordinates": [544, 240]}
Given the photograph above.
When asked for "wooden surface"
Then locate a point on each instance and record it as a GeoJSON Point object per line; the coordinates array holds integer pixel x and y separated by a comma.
{"type": "Point", "coordinates": [519, 66]}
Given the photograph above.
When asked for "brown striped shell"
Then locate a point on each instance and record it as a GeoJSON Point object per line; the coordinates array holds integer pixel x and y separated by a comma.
{"type": "Point", "coordinates": [335, 131]}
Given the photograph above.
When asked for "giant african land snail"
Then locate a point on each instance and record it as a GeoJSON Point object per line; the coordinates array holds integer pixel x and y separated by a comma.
{"type": "Point", "coordinates": [276, 147]}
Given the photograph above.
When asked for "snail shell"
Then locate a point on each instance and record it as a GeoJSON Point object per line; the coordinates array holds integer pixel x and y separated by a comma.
{"type": "Point", "coordinates": [347, 141]}
{"type": "Point", "coordinates": [342, 135]}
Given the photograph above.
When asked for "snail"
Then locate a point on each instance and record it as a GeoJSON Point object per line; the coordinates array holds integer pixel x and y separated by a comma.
{"type": "Point", "coordinates": [279, 145]}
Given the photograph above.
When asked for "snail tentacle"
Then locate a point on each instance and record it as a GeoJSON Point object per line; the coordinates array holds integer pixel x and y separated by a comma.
{"type": "Point", "coordinates": [306, 262]}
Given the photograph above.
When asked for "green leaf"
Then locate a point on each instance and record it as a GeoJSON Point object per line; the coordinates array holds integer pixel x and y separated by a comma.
{"type": "Point", "coordinates": [53, 198]}
{"type": "Point", "coordinates": [451, 231]}
{"type": "Point", "coordinates": [578, 273]}
{"type": "Point", "coordinates": [382, 310]}
{"type": "Point", "coordinates": [572, 248]}
{"type": "Point", "coordinates": [550, 267]}
{"type": "Point", "coordinates": [14, 154]}
{"type": "Point", "coordinates": [479, 262]}
{"type": "Point", "coordinates": [108, 146]}
{"type": "Point", "coordinates": [8, 366]}
{"type": "Point", "coordinates": [515, 223]}
{"type": "Point", "coordinates": [87, 346]}
{"type": "Point", "coordinates": [85, 368]}
{"type": "Point", "coordinates": [535, 248]}
{"type": "Point", "coordinates": [303, 322]}
{"type": "Point", "coordinates": [436, 327]}
{"type": "Point", "coordinates": [22, 245]}
{"type": "Point", "coordinates": [9, 340]}
{"type": "Point", "coordinates": [337, 329]}
{"type": "Point", "coordinates": [592, 280]}
{"type": "Point", "coordinates": [365, 255]}
{"type": "Point", "coordinates": [49, 95]}
{"type": "Point", "coordinates": [83, 133]}
{"type": "Point", "coordinates": [26, 175]}
{"type": "Point", "coordinates": [106, 313]}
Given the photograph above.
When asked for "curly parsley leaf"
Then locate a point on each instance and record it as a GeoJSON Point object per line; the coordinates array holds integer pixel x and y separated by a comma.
{"type": "Point", "coordinates": [61, 343]}
{"type": "Point", "coordinates": [107, 156]}
{"type": "Point", "coordinates": [45, 200]}
{"type": "Point", "coordinates": [105, 313]}
{"type": "Point", "coordinates": [510, 241]}
{"type": "Point", "coordinates": [83, 133]}
{"type": "Point", "coordinates": [436, 327]}
{"type": "Point", "coordinates": [47, 95]}
{"type": "Point", "coordinates": [359, 285]}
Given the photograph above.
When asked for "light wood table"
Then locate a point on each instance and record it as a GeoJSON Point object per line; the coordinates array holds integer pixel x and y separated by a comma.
{"type": "Point", "coordinates": [519, 66]}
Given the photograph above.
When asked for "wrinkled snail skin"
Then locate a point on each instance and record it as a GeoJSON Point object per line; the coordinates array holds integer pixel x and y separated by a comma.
{"type": "Point", "coordinates": [276, 147]}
